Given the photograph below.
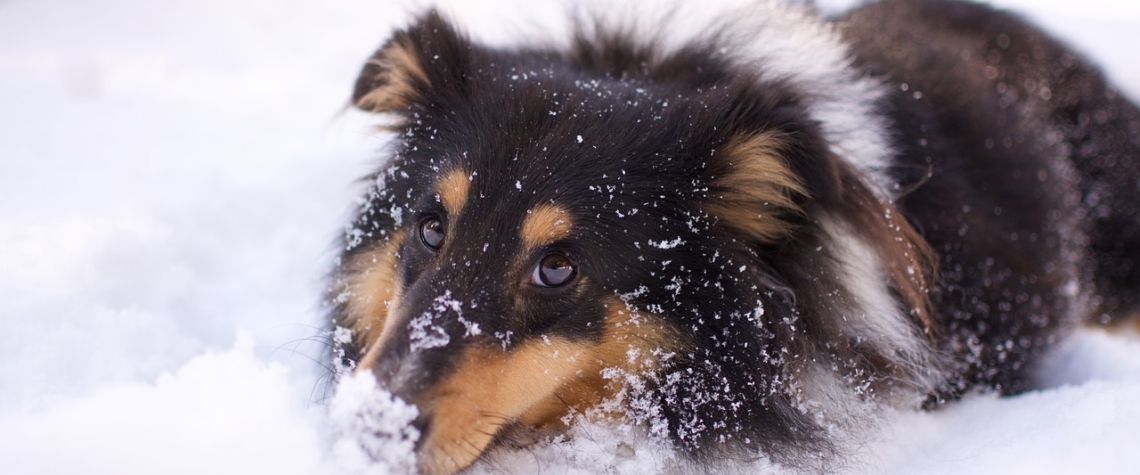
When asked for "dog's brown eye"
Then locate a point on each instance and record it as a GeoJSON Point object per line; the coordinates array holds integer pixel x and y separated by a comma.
{"type": "Point", "coordinates": [431, 232]}
{"type": "Point", "coordinates": [553, 270]}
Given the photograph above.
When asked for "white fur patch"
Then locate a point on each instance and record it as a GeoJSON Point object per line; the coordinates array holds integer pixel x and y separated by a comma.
{"type": "Point", "coordinates": [782, 40]}
{"type": "Point", "coordinates": [879, 319]}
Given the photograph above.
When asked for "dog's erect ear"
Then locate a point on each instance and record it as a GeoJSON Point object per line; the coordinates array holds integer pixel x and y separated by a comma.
{"type": "Point", "coordinates": [424, 59]}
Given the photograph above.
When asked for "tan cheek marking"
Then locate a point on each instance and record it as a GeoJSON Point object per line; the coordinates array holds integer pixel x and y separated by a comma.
{"type": "Point", "coordinates": [491, 388]}
{"type": "Point", "coordinates": [758, 189]}
{"type": "Point", "coordinates": [535, 384]}
{"type": "Point", "coordinates": [374, 286]}
{"type": "Point", "coordinates": [632, 343]}
{"type": "Point", "coordinates": [545, 224]}
{"type": "Point", "coordinates": [398, 70]}
{"type": "Point", "coordinates": [452, 191]}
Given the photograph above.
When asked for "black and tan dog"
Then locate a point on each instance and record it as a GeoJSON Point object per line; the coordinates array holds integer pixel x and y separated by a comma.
{"type": "Point", "coordinates": [739, 233]}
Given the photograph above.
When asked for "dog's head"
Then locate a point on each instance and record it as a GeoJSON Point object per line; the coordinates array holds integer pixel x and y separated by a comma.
{"type": "Point", "coordinates": [549, 216]}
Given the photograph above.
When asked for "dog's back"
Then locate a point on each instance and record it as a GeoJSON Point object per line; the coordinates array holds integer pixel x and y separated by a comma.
{"type": "Point", "coordinates": [1019, 164]}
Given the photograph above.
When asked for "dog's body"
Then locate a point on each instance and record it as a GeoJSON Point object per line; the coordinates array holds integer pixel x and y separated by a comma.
{"type": "Point", "coordinates": [737, 234]}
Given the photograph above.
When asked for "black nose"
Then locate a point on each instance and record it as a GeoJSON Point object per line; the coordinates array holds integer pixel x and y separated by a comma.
{"type": "Point", "coordinates": [408, 374]}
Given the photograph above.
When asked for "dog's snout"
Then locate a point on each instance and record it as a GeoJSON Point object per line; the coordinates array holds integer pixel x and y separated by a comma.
{"type": "Point", "coordinates": [418, 346]}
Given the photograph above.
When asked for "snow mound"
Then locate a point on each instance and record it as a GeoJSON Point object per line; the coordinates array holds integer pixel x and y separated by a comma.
{"type": "Point", "coordinates": [374, 428]}
{"type": "Point", "coordinates": [221, 412]}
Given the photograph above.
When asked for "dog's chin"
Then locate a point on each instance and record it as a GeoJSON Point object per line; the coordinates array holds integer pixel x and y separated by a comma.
{"type": "Point", "coordinates": [489, 392]}
{"type": "Point", "coordinates": [463, 432]}
{"type": "Point", "coordinates": [450, 451]}
{"type": "Point", "coordinates": [434, 456]}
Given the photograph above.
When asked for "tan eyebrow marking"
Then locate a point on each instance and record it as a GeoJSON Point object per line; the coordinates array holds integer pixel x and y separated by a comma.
{"type": "Point", "coordinates": [545, 224]}
{"type": "Point", "coordinates": [452, 191]}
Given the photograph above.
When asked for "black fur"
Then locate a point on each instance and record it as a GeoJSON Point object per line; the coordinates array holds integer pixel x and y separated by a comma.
{"type": "Point", "coordinates": [1028, 200]}
{"type": "Point", "coordinates": [1048, 178]}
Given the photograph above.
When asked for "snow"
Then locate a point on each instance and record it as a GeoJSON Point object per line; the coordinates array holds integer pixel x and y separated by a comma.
{"type": "Point", "coordinates": [374, 432]}
{"type": "Point", "coordinates": [174, 177]}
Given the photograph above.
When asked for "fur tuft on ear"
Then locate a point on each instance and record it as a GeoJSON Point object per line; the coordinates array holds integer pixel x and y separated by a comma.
{"type": "Point", "coordinates": [412, 64]}
{"type": "Point", "coordinates": [391, 78]}
{"type": "Point", "coordinates": [753, 189]}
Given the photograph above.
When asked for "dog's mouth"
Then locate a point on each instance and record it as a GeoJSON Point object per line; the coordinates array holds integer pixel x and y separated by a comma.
{"type": "Point", "coordinates": [436, 455]}
{"type": "Point", "coordinates": [491, 388]}
{"type": "Point", "coordinates": [433, 456]}
{"type": "Point", "coordinates": [454, 437]}
{"type": "Point", "coordinates": [463, 412]}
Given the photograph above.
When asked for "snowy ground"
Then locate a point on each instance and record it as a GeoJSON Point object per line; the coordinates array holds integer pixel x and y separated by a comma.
{"type": "Point", "coordinates": [173, 175]}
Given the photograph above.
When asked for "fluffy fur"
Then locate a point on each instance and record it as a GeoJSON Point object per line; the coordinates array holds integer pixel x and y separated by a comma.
{"type": "Point", "coordinates": [742, 232]}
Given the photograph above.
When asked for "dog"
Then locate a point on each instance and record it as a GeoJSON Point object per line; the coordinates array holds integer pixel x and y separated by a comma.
{"type": "Point", "coordinates": [733, 235]}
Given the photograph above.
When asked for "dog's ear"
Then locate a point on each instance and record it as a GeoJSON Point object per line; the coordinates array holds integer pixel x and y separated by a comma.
{"type": "Point", "coordinates": [765, 184]}
{"type": "Point", "coordinates": [752, 186]}
{"type": "Point", "coordinates": [427, 58]}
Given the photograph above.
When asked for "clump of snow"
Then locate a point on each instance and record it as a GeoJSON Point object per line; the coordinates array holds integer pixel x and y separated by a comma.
{"type": "Point", "coordinates": [424, 334]}
{"type": "Point", "coordinates": [374, 431]}
{"type": "Point", "coordinates": [667, 244]}
{"type": "Point", "coordinates": [341, 337]}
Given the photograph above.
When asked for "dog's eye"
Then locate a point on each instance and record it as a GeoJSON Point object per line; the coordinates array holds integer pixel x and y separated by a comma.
{"type": "Point", "coordinates": [431, 232]}
{"type": "Point", "coordinates": [553, 270]}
